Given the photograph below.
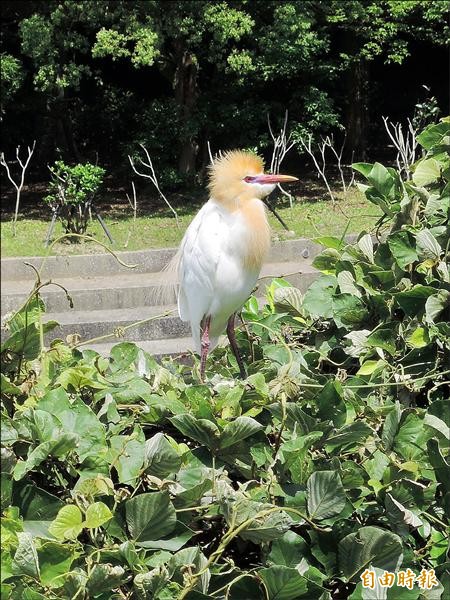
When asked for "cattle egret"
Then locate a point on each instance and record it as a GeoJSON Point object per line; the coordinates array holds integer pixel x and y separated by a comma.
{"type": "Point", "coordinates": [223, 249]}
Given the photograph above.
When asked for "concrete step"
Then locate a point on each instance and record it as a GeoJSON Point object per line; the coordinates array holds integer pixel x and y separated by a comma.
{"type": "Point", "coordinates": [91, 323]}
{"type": "Point", "coordinates": [98, 323]}
{"type": "Point", "coordinates": [144, 261]}
{"type": "Point", "coordinates": [128, 290]}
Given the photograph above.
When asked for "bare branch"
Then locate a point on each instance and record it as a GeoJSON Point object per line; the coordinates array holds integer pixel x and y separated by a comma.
{"type": "Point", "coordinates": [5, 164]}
{"type": "Point", "coordinates": [153, 178]}
{"type": "Point", "coordinates": [328, 143]}
{"type": "Point", "coordinates": [133, 204]}
{"type": "Point", "coordinates": [18, 186]}
{"type": "Point", "coordinates": [404, 142]}
{"type": "Point", "coordinates": [307, 146]}
{"type": "Point", "coordinates": [338, 155]}
{"type": "Point", "coordinates": [281, 146]}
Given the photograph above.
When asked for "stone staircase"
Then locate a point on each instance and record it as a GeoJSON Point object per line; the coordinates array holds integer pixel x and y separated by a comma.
{"type": "Point", "coordinates": [109, 297]}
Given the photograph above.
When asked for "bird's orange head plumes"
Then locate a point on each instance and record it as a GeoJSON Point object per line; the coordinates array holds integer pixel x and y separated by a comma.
{"type": "Point", "coordinates": [237, 176]}
{"type": "Point", "coordinates": [228, 172]}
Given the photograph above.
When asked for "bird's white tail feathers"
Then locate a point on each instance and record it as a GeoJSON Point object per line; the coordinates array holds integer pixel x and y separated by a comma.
{"type": "Point", "coordinates": [165, 290]}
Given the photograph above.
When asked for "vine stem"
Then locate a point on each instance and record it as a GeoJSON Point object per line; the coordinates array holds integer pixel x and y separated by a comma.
{"type": "Point", "coordinates": [374, 385]}
{"type": "Point", "coordinates": [281, 340]}
{"type": "Point", "coordinates": [91, 239]}
{"type": "Point", "coordinates": [435, 519]}
{"type": "Point", "coordinates": [109, 335]}
{"type": "Point", "coordinates": [234, 532]}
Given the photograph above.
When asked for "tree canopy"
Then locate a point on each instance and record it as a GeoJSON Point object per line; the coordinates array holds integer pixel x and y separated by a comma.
{"type": "Point", "coordinates": [100, 77]}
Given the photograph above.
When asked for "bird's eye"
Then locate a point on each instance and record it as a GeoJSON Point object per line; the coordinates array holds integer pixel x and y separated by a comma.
{"type": "Point", "coordinates": [249, 179]}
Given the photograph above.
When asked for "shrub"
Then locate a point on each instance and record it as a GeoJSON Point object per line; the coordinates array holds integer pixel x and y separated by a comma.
{"type": "Point", "coordinates": [72, 191]}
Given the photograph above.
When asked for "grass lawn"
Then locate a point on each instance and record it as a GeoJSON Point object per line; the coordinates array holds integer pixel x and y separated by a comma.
{"type": "Point", "coordinates": [155, 227]}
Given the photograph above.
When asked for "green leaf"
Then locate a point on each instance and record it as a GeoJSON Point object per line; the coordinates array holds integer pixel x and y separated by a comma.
{"type": "Point", "coordinates": [438, 425]}
{"type": "Point", "coordinates": [399, 514]}
{"type": "Point", "coordinates": [383, 338]}
{"type": "Point", "coordinates": [103, 578]}
{"type": "Point", "coordinates": [90, 487]}
{"type": "Point", "coordinates": [171, 542]}
{"type": "Point", "coordinates": [76, 418]}
{"type": "Point", "coordinates": [348, 437]}
{"type": "Point", "coordinates": [436, 304]}
{"type": "Point", "coordinates": [189, 556]}
{"type": "Point", "coordinates": [58, 447]}
{"type": "Point", "coordinates": [318, 298]}
{"type": "Point", "coordinates": [326, 261]}
{"type": "Point", "coordinates": [363, 168]}
{"type": "Point", "coordinates": [330, 403]}
{"type": "Point", "coordinates": [284, 583]}
{"type": "Point", "coordinates": [326, 495]}
{"type": "Point", "coordinates": [346, 283]}
{"type": "Point", "coordinates": [201, 430]}
{"type": "Point", "coordinates": [412, 301]}
{"type": "Point", "coordinates": [434, 135]}
{"type": "Point", "coordinates": [25, 561]}
{"type": "Point", "coordinates": [440, 408]}
{"type": "Point", "coordinates": [35, 503]}
{"type": "Point", "coordinates": [55, 561]}
{"type": "Point", "coordinates": [288, 299]}
{"type": "Point", "coordinates": [97, 514]}
{"type": "Point", "coordinates": [365, 244]}
{"type": "Point", "coordinates": [369, 546]}
{"type": "Point", "coordinates": [8, 387]}
{"type": "Point", "coordinates": [6, 486]}
{"type": "Point", "coordinates": [329, 241]}
{"type": "Point", "coordinates": [391, 425]}
{"type": "Point", "coordinates": [439, 464]}
{"type": "Point", "coordinates": [160, 458]}
{"type": "Point", "coordinates": [150, 516]}
{"type": "Point", "coordinates": [261, 527]}
{"type": "Point", "coordinates": [127, 456]}
{"type": "Point", "coordinates": [427, 245]}
{"type": "Point", "coordinates": [122, 356]}
{"type": "Point", "coordinates": [380, 178]}
{"type": "Point", "coordinates": [370, 366]}
{"type": "Point", "coordinates": [401, 245]}
{"type": "Point", "coordinates": [149, 584]}
{"type": "Point", "coordinates": [411, 429]}
{"type": "Point", "coordinates": [426, 171]}
{"type": "Point", "coordinates": [239, 429]}
{"type": "Point", "coordinates": [348, 310]}
{"type": "Point", "coordinates": [288, 550]}
{"type": "Point", "coordinates": [67, 524]}
{"type": "Point", "coordinates": [418, 338]}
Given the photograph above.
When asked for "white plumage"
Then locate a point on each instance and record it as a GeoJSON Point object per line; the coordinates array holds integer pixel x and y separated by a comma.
{"type": "Point", "coordinates": [223, 249]}
{"type": "Point", "coordinates": [214, 280]}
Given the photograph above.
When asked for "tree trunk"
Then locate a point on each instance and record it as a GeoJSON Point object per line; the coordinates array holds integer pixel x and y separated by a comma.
{"type": "Point", "coordinates": [357, 109]}
{"type": "Point", "coordinates": [63, 138]}
{"type": "Point", "coordinates": [185, 86]}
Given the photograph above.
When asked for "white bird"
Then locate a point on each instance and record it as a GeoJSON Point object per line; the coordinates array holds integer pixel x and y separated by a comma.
{"type": "Point", "coordinates": [223, 249]}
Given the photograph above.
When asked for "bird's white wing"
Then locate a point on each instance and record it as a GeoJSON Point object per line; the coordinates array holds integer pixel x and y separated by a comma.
{"type": "Point", "coordinates": [199, 257]}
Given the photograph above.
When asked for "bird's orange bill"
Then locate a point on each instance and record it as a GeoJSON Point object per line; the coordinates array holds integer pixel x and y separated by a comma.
{"type": "Point", "coordinates": [274, 178]}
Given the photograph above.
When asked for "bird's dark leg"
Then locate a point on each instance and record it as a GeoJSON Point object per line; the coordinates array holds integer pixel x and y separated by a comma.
{"type": "Point", "coordinates": [204, 343]}
{"type": "Point", "coordinates": [232, 337]}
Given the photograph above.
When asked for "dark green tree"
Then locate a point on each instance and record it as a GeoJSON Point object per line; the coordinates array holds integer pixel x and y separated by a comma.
{"type": "Point", "coordinates": [369, 30]}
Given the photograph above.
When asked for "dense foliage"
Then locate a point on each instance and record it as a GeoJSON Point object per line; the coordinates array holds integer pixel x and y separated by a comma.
{"type": "Point", "coordinates": [100, 77]}
{"type": "Point", "coordinates": [122, 478]}
{"type": "Point", "coordinates": [71, 193]}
